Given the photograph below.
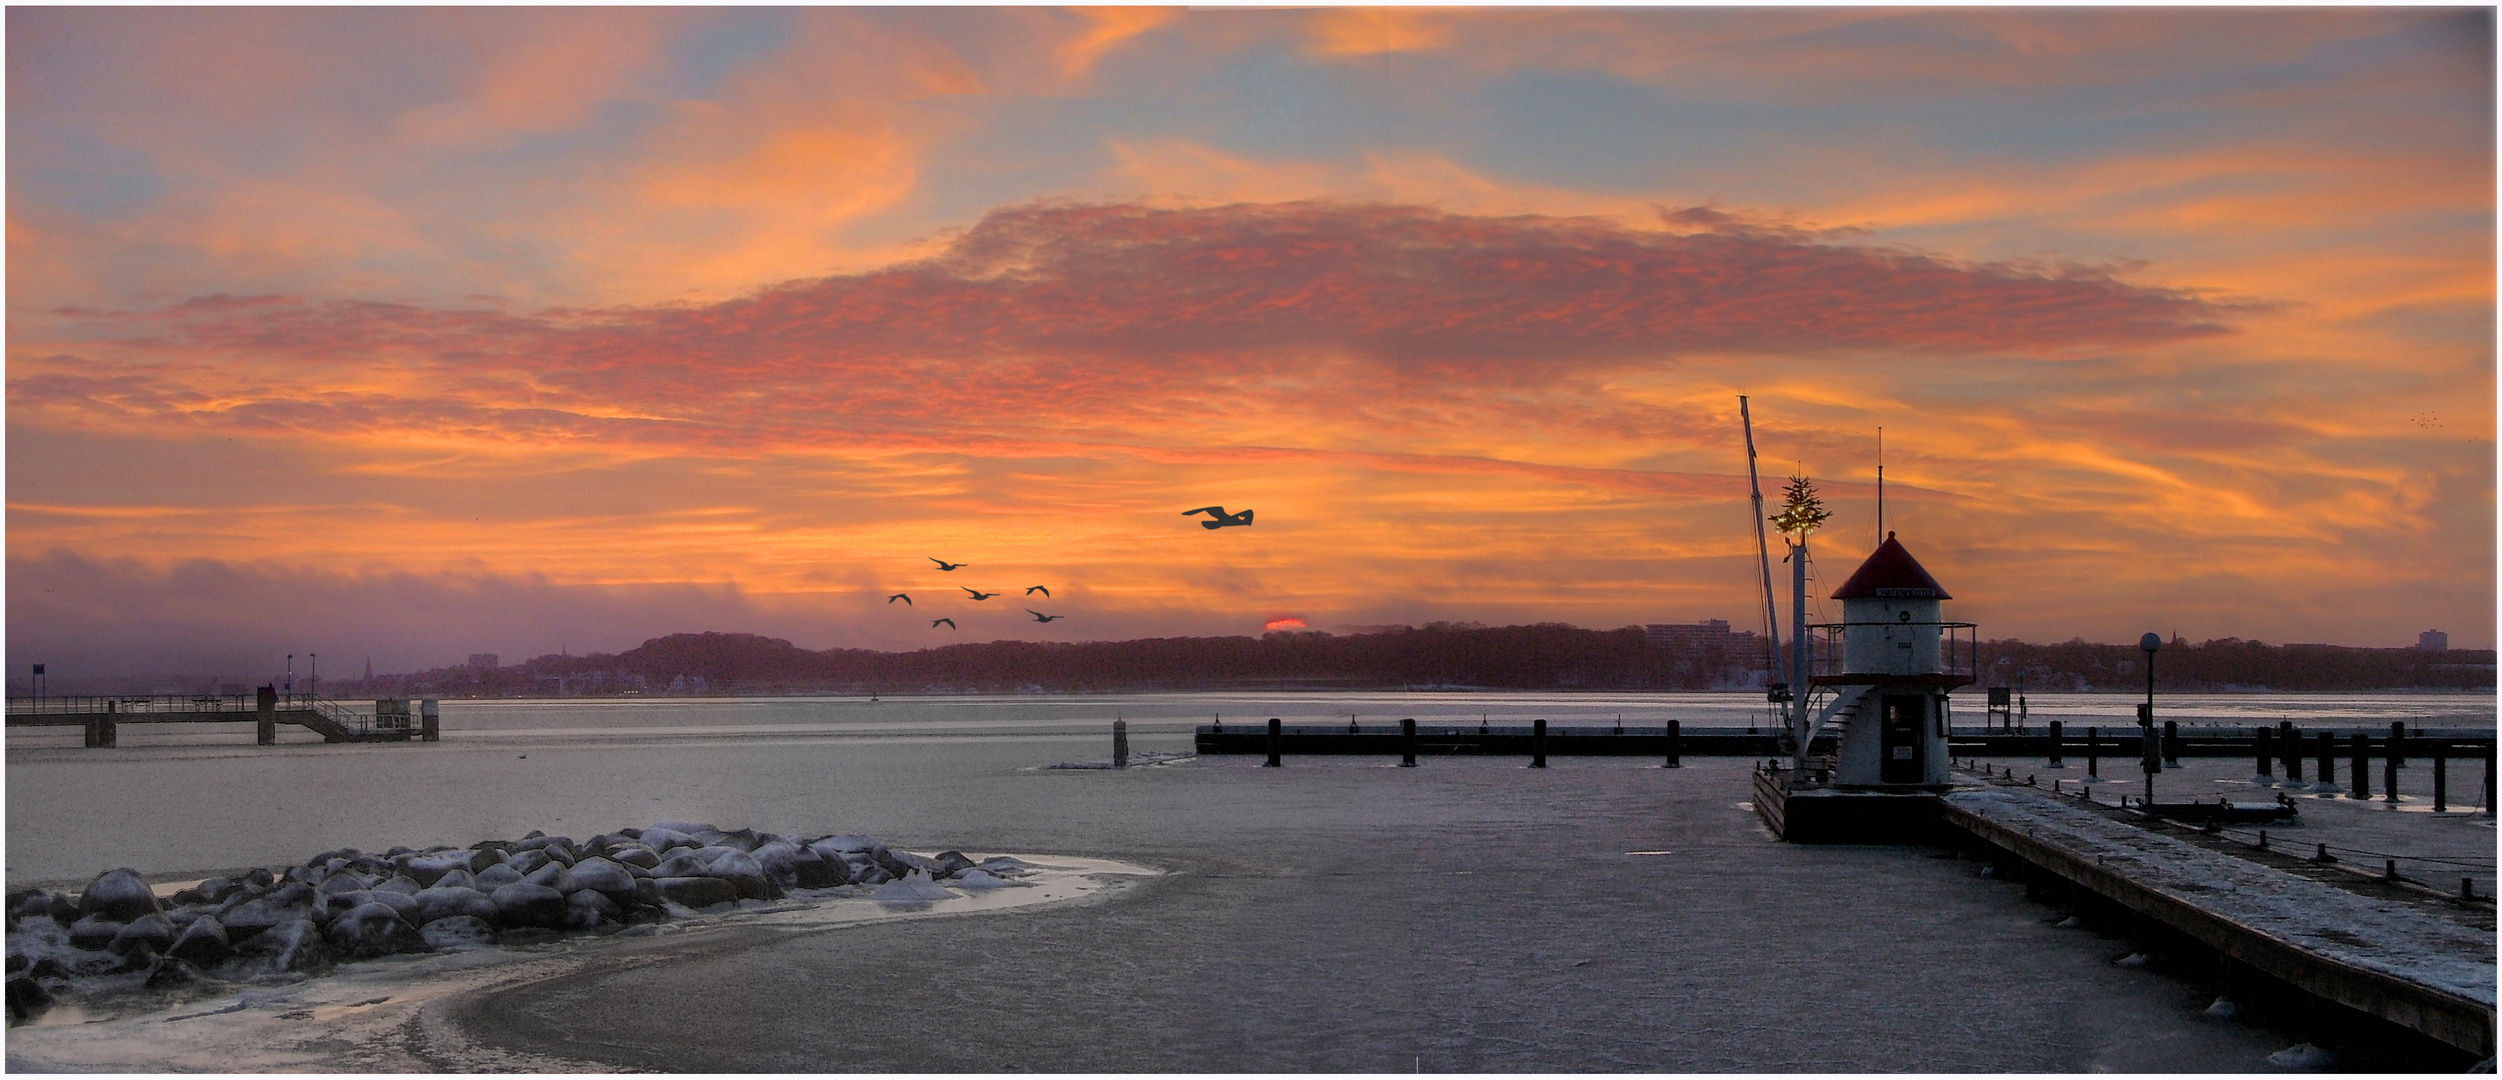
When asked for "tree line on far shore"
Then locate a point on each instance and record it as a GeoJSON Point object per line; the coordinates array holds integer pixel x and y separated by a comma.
{"type": "Point", "coordinates": [1455, 656]}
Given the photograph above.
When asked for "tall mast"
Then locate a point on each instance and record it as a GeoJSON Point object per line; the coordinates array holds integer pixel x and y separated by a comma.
{"type": "Point", "coordinates": [1763, 550]}
{"type": "Point", "coordinates": [1880, 485]}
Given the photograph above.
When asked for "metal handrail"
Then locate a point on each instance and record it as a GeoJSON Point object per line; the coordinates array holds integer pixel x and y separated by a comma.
{"type": "Point", "coordinates": [1960, 653]}
{"type": "Point", "coordinates": [239, 705]}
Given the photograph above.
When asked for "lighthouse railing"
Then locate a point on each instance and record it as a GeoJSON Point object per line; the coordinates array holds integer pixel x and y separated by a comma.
{"type": "Point", "coordinates": [1958, 649]}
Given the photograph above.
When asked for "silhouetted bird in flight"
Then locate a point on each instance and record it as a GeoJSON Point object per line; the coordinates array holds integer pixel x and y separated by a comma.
{"type": "Point", "coordinates": [1032, 589]}
{"type": "Point", "coordinates": [979, 594]}
{"type": "Point", "coordinates": [945, 565]}
{"type": "Point", "coordinates": [951, 623]}
{"type": "Point", "coordinates": [1219, 518]}
{"type": "Point", "coordinates": [1040, 617]}
{"type": "Point", "coordinates": [899, 596]}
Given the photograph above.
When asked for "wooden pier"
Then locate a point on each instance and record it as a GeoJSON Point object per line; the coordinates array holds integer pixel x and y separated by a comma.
{"type": "Point", "coordinates": [101, 717]}
{"type": "Point", "coordinates": [1652, 739]}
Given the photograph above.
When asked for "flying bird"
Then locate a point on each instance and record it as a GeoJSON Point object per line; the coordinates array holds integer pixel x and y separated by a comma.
{"type": "Point", "coordinates": [1218, 518]}
{"type": "Point", "coordinates": [944, 564]}
{"type": "Point", "coordinates": [1032, 589]}
{"type": "Point", "coordinates": [1040, 617]}
{"type": "Point", "coordinates": [978, 594]}
{"type": "Point", "coordinates": [899, 596]}
{"type": "Point", "coordinates": [951, 623]}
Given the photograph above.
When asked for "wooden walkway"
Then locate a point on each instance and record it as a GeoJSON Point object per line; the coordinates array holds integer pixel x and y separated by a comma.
{"type": "Point", "coordinates": [102, 716]}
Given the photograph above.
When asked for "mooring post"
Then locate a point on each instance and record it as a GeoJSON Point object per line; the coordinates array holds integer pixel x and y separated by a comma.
{"type": "Point", "coordinates": [2389, 773]}
{"type": "Point", "coordinates": [1276, 735]}
{"type": "Point", "coordinates": [2397, 742]}
{"type": "Point", "coordinates": [2172, 743]}
{"type": "Point", "coordinates": [108, 733]}
{"type": "Point", "coordinates": [1407, 744]}
{"type": "Point", "coordinates": [2056, 760]}
{"type": "Point", "coordinates": [2328, 763]}
{"type": "Point", "coordinates": [2267, 757]}
{"type": "Point", "coordinates": [2441, 777]}
{"type": "Point", "coordinates": [2286, 734]}
{"type": "Point", "coordinates": [1120, 744]}
{"type": "Point", "coordinates": [2488, 779]}
{"type": "Point", "coordinates": [1674, 736]}
{"type": "Point", "coordinates": [430, 722]}
{"type": "Point", "coordinates": [2362, 765]}
{"type": "Point", "coordinates": [2093, 752]}
{"type": "Point", "coordinates": [1537, 745]}
{"type": "Point", "coordinates": [266, 702]}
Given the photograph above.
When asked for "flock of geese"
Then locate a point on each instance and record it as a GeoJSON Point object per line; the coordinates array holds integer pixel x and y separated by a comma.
{"type": "Point", "coordinates": [1217, 519]}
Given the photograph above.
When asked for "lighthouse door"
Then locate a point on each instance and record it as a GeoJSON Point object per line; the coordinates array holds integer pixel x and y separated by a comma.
{"type": "Point", "coordinates": [1903, 742]}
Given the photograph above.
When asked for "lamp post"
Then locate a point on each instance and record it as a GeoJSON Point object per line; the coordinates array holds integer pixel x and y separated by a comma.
{"type": "Point", "coordinates": [291, 673]}
{"type": "Point", "coordinates": [316, 675]}
{"type": "Point", "coordinates": [2150, 750]}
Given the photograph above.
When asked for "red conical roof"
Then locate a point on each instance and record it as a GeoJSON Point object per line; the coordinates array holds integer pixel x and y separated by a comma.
{"type": "Point", "coordinates": [1891, 571]}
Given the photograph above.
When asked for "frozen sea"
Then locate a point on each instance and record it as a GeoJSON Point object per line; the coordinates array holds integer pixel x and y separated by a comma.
{"type": "Point", "coordinates": [1340, 914]}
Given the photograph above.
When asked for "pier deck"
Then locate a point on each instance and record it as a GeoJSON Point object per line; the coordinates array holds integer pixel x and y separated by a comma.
{"type": "Point", "coordinates": [2404, 962]}
{"type": "Point", "coordinates": [100, 715]}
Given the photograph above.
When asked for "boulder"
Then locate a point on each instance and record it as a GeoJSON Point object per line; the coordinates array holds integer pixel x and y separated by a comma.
{"type": "Point", "coordinates": [683, 864]}
{"type": "Point", "coordinates": [204, 942]}
{"type": "Point", "coordinates": [915, 888]}
{"type": "Point", "coordinates": [635, 855]}
{"type": "Point", "coordinates": [429, 868]}
{"type": "Point", "coordinates": [292, 946]}
{"type": "Point", "coordinates": [27, 998]}
{"type": "Point", "coordinates": [742, 839]}
{"type": "Point", "coordinates": [372, 930]}
{"type": "Point", "coordinates": [259, 878]}
{"type": "Point", "coordinates": [119, 895]}
{"type": "Point", "coordinates": [458, 932]}
{"type": "Point", "coordinates": [813, 871]}
{"type": "Point", "coordinates": [401, 884]}
{"type": "Point", "coordinates": [169, 973]}
{"type": "Point", "coordinates": [93, 932]}
{"type": "Point", "coordinates": [291, 894]}
{"type": "Point", "coordinates": [523, 862]}
{"type": "Point", "coordinates": [950, 863]}
{"type": "Point", "coordinates": [542, 842]}
{"type": "Point", "coordinates": [741, 870]}
{"type": "Point", "coordinates": [343, 881]}
{"type": "Point", "coordinates": [587, 908]}
{"type": "Point", "coordinates": [404, 903]}
{"type": "Point", "coordinates": [253, 917]}
{"type": "Point", "coordinates": [496, 876]}
{"type": "Point", "coordinates": [662, 840]}
{"type": "Point", "coordinates": [442, 903]}
{"type": "Point", "coordinates": [211, 891]}
{"type": "Point", "coordinates": [695, 892]}
{"type": "Point", "coordinates": [523, 904]}
{"type": "Point", "coordinates": [553, 875]}
{"type": "Point", "coordinates": [456, 879]}
{"type": "Point", "coordinates": [562, 853]}
{"type": "Point", "coordinates": [608, 878]}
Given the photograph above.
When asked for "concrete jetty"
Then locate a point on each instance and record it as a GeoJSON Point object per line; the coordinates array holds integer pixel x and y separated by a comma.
{"type": "Point", "coordinates": [101, 717]}
{"type": "Point", "coordinates": [2413, 964]}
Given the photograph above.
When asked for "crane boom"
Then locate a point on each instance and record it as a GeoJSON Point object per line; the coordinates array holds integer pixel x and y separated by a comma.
{"type": "Point", "coordinates": [1763, 550]}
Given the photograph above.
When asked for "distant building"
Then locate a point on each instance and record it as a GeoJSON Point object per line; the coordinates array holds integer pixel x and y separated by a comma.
{"type": "Point", "coordinates": [1688, 637]}
{"type": "Point", "coordinates": [484, 660]}
{"type": "Point", "coordinates": [2433, 641]}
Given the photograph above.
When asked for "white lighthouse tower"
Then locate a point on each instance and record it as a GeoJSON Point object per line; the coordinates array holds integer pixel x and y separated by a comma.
{"type": "Point", "coordinates": [1897, 669]}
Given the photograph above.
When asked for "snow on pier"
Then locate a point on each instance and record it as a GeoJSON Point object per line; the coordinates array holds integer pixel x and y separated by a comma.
{"type": "Point", "coordinates": [2387, 957]}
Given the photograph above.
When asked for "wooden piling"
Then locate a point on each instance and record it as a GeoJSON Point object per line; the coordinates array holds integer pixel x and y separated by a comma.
{"type": "Point", "coordinates": [430, 722]}
{"type": "Point", "coordinates": [2488, 779]}
{"type": "Point", "coordinates": [2267, 754]}
{"type": "Point", "coordinates": [2093, 752]}
{"type": "Point", "coordinates": [2441, 777]}
{"type": "Point", "coordinates": [1674, 736]}
{"type": "Point", "coordinates": [267, 700]}
{"type": "Point", "coordinates": [2328, 760]}
{"type": "Point", "coordinates": [1407, 744]}
{"type": "Point", "coordinates": [2389, 773]}
{"type": "Point", "coordinates": [2057, 761]}
{"type": "Point", "coordinates": [1276, 736]}
{"type": "Point", "coordinates": [1120, 744]}
{"type": "Point", "coordinates": [2292, 739]}
{"type": "Point", "coordinates": [2172, 743]}
{"type": "Point", "coordinates": [2362, 765]}
{"type": "Point", "coordinates": [1537, 745]}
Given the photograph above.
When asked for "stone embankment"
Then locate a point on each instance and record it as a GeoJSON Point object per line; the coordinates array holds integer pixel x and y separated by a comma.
{"type": "Point", "coordinates": [275, 925]}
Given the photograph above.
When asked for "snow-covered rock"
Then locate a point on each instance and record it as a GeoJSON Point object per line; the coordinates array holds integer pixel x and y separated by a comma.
{"type": "Point", "coordinates": [913, 888]}
{"type": "Point", "coordinates": [120, 895]}
{"type": "Point", "coordinates": [372, 930]}
{"type": "Point", "coordinates": [457, 932]}
{"type": "Point", "coordinates": [523, 904]}
{"type": "Point", "coordinates": [204, 942]}
{"type": "Point", "coordinates": [608, 878]}
{"type": "Point", "coordinates": [442, 902]}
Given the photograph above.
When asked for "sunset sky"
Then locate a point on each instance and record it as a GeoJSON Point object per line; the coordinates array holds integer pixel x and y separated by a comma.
{"type": "Point", "coordinates": [406, 333]}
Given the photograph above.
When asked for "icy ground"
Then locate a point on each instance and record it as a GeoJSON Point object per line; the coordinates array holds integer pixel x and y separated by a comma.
{"type": "Point", "coordinates": [1462, 916]}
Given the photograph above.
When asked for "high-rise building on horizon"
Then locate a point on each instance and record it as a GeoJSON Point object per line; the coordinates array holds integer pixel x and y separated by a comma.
{"type": "Point", "coordinates": [2433, 641]}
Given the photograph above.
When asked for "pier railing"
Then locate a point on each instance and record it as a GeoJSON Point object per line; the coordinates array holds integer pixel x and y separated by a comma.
{"type": "Point", "coordinates": [200, 708]}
